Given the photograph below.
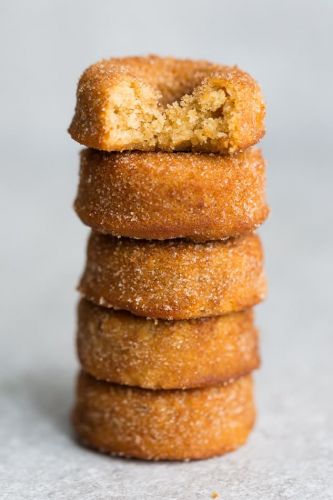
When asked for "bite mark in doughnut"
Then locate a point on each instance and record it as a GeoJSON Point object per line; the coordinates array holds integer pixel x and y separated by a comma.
{"type": "Point", "coordinates": [150, 103]}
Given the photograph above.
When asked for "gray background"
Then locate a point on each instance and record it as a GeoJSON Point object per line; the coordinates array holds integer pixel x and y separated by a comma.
{"type": "Point", "coordinates": [45, 45]}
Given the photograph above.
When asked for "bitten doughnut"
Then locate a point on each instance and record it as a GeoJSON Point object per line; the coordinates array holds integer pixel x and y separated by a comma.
{"type": "Point", "coordinates": [149, 103]}
{"type": "Point", "coordinates": [172, 195]}
{"type": "Point", "coordinates": [119, 347]}
{"type": "Point", "coordinates": [163, 425]}
{"type": "Point", "coordinates": [174, 279]}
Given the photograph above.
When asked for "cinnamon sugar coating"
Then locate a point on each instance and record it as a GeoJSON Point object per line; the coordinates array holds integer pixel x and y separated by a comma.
{"type": "Point", "coordinates": [119, 347]}
{"type": "Point", "coordinates": [163, 425]}
{"type": "Point", "coordinates": [172, 195]}
{"type": "Point", "coordinates": [174, 279]}
{"type": "Point", "coordinates": [149, 103]}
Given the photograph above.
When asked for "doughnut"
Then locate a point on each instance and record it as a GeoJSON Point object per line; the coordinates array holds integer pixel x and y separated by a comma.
{"type": "Point", "coordinates": [149, 103]}
{"type": "Point", "coordinates": [163, 425]}
{"type": "Point", "coordinates": [172, 195]}
{"type": "Point", "coordinates": [174, 279]}
{"type": "Point", "coordinates": [119, 347]}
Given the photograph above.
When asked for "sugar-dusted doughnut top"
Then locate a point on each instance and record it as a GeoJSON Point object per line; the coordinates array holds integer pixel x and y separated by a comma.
{"type": "Point", "coordinates": [150, 103]}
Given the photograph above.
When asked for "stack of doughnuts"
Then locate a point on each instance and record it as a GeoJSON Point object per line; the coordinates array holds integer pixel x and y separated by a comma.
{"type": "Point", "coordinates": [173, 191]}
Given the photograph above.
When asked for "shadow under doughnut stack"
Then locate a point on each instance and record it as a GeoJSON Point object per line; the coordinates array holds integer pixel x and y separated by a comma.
{"type": "Point", "coordinates": [173, 190]}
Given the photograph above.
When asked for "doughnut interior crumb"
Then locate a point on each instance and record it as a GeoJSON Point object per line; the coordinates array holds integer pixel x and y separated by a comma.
{"type": "Point", "coordinates": [135, 115]}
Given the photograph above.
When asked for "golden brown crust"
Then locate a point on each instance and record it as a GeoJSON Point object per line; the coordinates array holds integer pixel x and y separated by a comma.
{"type": "Point", "coordinates": [151, 89]}
{"type": "Point", "coordinates": [174, 279]}
{"type": "Point", "coordinates": [172, 195]}
{"type": "Point", "coordinates": [163, 425]}
{"type": "Point", "coordinates": [119, 347]}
